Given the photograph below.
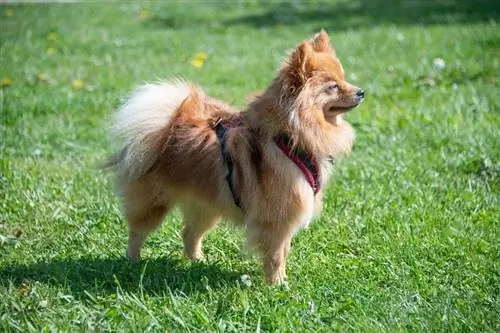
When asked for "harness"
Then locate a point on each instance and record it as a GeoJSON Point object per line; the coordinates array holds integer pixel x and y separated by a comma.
{"type": "Point", "coordinates": [302, 159]}
{"type": "Point", "coordinates": [221, 128]}
{"type": "Point", "coordinates": [306, 163]}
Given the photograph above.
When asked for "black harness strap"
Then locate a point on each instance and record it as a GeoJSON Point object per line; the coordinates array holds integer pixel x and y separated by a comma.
{"type": "Point", "coordinates": [221, 128]}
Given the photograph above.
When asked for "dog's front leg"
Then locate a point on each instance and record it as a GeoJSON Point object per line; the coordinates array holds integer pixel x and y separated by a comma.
{"type": "Point", "coordinates": [275, 262]}
{"type": "Point", "coordinates": [275, 257]}
{"type": "Point", "coordinates": [274, 246]}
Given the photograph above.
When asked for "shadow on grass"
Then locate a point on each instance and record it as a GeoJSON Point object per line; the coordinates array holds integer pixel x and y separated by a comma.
{"type": "Point", "coordinates": [355, 14]}
{"type": "Point", "coordinates": [342, 15]}
{"type": "Point", "coordinates": [107, 275]}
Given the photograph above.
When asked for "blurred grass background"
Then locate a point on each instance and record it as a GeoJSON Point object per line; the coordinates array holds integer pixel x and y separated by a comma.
{"type": "Point", "coordinates": [409, 237]}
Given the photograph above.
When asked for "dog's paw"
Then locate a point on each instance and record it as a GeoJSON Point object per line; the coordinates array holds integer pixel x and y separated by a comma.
{"type": "Point", "coordinates": [277, 278]}
{"type": "Point", "coordinates": [195, 256]}
{"type": "Point", "coordinates": [133, 256]}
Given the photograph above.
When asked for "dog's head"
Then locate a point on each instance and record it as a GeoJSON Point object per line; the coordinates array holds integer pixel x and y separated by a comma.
{"type": "Point", "coordinates": [312, 80]}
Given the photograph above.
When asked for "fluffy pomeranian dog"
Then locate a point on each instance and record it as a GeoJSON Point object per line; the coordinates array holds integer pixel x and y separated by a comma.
{"type": "Point", "coordinates": [264, 168]}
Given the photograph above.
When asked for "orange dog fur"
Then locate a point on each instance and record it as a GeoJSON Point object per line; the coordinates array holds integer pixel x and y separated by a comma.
{"type": "Point", "coordinates": [172, 156]}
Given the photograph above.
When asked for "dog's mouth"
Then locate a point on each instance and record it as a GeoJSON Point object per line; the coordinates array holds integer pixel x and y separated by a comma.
{"type": "Point", "coordinates": [342, 109]}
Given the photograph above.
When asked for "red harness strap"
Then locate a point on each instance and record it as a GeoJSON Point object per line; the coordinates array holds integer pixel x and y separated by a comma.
{"type": "Point", "coordinates": [302, 159]}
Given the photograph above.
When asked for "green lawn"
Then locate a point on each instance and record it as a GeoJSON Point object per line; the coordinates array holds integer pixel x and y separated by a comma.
{"type": "Point", "coordinates": [409, 238]}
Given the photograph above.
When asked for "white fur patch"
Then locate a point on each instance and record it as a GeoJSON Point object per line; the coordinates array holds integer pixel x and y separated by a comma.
{"type": "Point", "coordinates": [308, 202]}
{"type": "Point", "coordinates": [148, 110]}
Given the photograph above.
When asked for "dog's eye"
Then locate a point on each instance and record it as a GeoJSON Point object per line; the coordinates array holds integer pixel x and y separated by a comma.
{"type": "Point", "coordinates": [332, 88]}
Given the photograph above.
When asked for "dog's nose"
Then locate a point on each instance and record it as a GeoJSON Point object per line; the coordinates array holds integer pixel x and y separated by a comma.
{"type": "Point", "coordinates": [360, 93]}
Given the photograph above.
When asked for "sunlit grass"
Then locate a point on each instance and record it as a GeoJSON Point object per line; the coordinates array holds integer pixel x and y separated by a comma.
{"type": "Point", "coordinates": [409, 238]}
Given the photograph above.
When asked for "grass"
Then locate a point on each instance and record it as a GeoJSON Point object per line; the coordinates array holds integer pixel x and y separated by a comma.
{"type": "Point", "coordinates": [409, 238]}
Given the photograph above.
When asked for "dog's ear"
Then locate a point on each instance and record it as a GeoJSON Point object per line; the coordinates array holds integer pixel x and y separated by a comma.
{"type": "Point", "coordinates": [321, 42]}
{"type": "Point", "coordinates": [298, 63]}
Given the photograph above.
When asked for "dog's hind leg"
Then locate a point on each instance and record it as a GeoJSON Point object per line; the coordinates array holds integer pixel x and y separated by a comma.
{"type": "Point", "coordinates": [144, 214]}
{"type": "Point", "coordinates": [140, 225]}
{"type": "Point", "coordinates": [198, 221]}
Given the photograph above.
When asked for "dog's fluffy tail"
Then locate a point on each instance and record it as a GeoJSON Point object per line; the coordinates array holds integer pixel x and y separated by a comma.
{"type": "Point", "coordinates": [140, 123]}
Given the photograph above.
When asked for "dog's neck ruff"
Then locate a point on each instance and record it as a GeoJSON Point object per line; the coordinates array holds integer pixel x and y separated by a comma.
{"type": "Point", "coordinates": [302, 159]}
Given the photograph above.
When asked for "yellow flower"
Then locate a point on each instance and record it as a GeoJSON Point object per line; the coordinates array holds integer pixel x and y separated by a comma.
{"type": "Point", "coordinates": [8, 12]}
{"type": "Point", "coordinates": [199, 59]}
{"type": "Point", "coordinates": [51, 51]}
{"type": "Point", "coordinates": [144, 14]}
{"type": "Point", "coordinates": [5, 82]}
{"type": "Point", "coordinates": [77, 84]}
{"type": "Point", "coordinates": [52, 36]}
{"type": "Point", "coordinates": [42, 77]}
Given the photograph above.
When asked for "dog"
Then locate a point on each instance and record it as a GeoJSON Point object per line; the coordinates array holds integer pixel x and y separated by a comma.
{"type": "Point", "coordinates": [265, 168]}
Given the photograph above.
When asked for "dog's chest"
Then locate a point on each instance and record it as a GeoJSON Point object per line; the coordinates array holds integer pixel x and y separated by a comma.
{"type": "Point", "coordinates": [308, 200]}
{"type": "Point", "coordinates": [312, 203]}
